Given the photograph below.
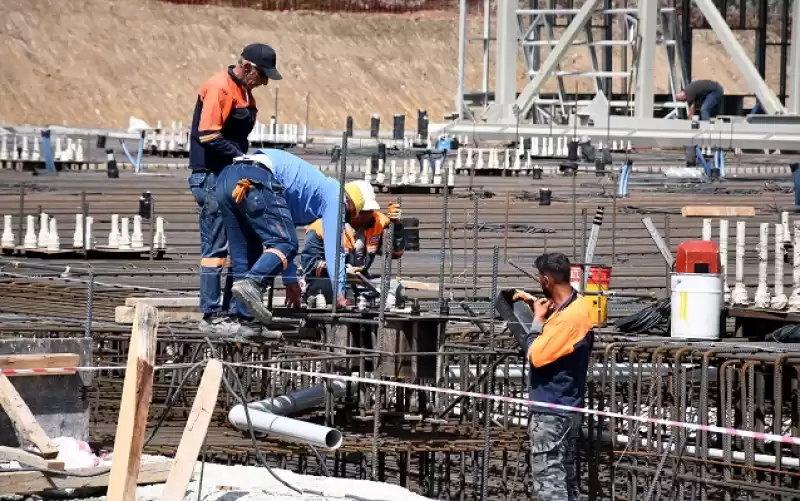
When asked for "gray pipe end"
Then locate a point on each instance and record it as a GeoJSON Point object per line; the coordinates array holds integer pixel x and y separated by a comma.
{"type": "Point", "coordinates": [333, 439]}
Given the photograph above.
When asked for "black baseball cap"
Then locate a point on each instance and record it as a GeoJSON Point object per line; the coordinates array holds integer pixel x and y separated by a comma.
{"type": "Point", "coordinates": [264, 57]}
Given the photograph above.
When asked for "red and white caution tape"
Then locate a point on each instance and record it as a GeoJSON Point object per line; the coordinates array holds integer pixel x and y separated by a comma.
{"type": "Point", "coordinates": [39, 372]}
{"type": "Point", "coordinates": [766, 437]}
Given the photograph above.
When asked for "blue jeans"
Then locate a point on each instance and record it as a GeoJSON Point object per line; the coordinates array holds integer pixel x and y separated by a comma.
{"type": "Point", "coordinates": [710, 106]}
{"type": "Point", "coordinates": [213, 244]}
{"type": "Point", "coordinates": [261, 231]}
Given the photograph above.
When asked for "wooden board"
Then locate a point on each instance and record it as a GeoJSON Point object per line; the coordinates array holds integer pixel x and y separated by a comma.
{"type": "Point", "coordinates": [29, 482]}
{"type": "Point", "coordinates": [25, 458]}
{"type": "Point", "coordinates": [717, 211]}
{"type": "Point", "coordinates": [22, 417]}
{"type": "Point", "coordinates": [125, 315]}
{"type": "Point", "coordinates": [137, 392]}
{"type": "Point", "coordinates": [39, 361]}
{"type": "Point", "coordinates": [420, 286]}
{"type": "Point", "coordinates": [194, 434]}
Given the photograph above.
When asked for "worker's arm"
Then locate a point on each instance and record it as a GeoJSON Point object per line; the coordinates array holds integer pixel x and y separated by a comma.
{"type": "Point", "coordinates": [557, 338]}
{"type": "Point", "coordinates": [691, 111]}
{"type": "Point", "coordinates": [217, 106]}
{"type": "Point", "coordinates": [330, 226]}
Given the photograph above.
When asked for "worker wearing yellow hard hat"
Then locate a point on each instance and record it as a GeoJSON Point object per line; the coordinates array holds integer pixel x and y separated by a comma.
{"type": "Point", "coordinates": [362, 240]}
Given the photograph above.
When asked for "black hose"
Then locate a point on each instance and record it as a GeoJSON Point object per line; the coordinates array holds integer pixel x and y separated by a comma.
{"type": "Point", "coordinates": [654, 316]}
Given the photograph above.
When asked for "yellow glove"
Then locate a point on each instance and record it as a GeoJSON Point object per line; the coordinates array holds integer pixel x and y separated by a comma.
{"type": "Point", "coordinates": [523, 296]}
{"type": "Point", "coordinates": [394, 211]}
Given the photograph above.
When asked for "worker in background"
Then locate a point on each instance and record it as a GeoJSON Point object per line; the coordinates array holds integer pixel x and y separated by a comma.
{"type": "Point", "coordinates": [707, 93]}
{"type": "Point", "coordinates": [224, 116]}
{"type": "Point", "coordinates": [362, 241]}
{"type": "Point", "coordinates": [558, 349]}
{"type": "Point", "coordinates": [262, 198]}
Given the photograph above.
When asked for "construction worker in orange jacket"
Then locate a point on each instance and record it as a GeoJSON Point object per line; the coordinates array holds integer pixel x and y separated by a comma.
{"type": "Point", "coordinates": [559, 347]}
{"type": "Point", "coordinates": [362, 240]}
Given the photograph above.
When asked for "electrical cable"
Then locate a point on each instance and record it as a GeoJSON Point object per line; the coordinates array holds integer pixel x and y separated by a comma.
{"type": "Point", "coordinates": [241, 398]}
{"type": "Point", "coordinates": [172, 401]}
{"type": "Point", "coordinates": [654, 316]}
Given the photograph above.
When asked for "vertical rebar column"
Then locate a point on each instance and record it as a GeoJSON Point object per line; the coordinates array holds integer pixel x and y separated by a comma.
{"type": "Point", "coordinates": [489, 385]}
{"type": "Point", "coordinates": [474, 245]}
{"type": "Point", "coordinates": [388, 236]}
{"type": "Point", "coordinates": [400, 261]}
{"type": "Point", "coordinates": [340, 220]}
{"type": "Point", "coordinates": [441, 333]}
{"type": "Point", "coordinates": [667, 242]}
{"type": "Point", "coordinates": [574, 215]}
{"type": "Point", "coordinates": [336, 267]}
{"type": "Point", "coordinates": [83, 218]}
{"type": "Point", "coordinates": [505, 228]}
{"type": "Point", "coordinates": [614, 223]}
{"type": "Point", "coordinates": [443, 236]}
{"type": "Point", "coordinates": [89, 306]}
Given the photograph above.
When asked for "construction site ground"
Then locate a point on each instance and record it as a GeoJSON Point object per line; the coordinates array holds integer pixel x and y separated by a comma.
{"type": "Point", "coordinates": [483, 212]}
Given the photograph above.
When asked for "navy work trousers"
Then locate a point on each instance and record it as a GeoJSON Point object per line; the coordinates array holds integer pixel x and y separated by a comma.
{"type": "Point", "coordinates": [261, 231]}
{"type": "Point", "coordinates": [213, 244]}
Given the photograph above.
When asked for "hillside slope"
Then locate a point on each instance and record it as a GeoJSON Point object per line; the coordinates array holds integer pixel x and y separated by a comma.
{"type": "Point", "coordinates": [97, 62]}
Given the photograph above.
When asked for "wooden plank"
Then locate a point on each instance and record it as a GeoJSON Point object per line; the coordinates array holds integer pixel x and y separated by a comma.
{"type": "Point", "coordinates": [39, 361]}
{"type": "Point", "coordinates": [420, 286]}
{"type": "Point", "coordinates": [30, 482]}
{"type": "Point", "coordinates": [25, 458]}
{"type": "Point", "coordinates": [22, 417]}
{"type": "Point", "coordinates": [194, 433]}
{"type": "Point", "coordinates": [137, 392]}
{"type": "Point", "coordinates": [125, 315]}
{"type": "Point", "coordinates": [717, 211]}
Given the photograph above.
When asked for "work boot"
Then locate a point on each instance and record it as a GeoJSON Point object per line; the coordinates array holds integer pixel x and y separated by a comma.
{"type": "Point", "coordinates": [224, 326]}
{"type": "Point", "coordinates": [262, 334]}
{"type": "Point", "coordinates": [249, 293]}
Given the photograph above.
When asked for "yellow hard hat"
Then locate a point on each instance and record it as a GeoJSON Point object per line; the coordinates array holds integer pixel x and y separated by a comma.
{"type": "Point", "coordinates": [356, 195]}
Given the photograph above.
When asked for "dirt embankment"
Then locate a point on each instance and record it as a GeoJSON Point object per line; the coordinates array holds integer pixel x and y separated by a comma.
{"type": "Point", "coordinates": [97, 62]}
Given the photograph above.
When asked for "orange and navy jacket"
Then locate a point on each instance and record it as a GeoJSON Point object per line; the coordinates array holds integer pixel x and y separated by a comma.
{"type": "Point", "coordinates": [313, 248]}
{"type": "Point", "coordinates": [312, 257]}
{"type": "Point", "coordinates": [559, 352]}
{"type": "Point", "coordinates": [224, 115]}
{"type": "Point", "coordinates": [373, 236]}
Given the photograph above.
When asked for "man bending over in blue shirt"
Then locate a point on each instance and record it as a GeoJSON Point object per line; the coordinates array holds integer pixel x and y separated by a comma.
{"type": "Point", "coordinates": [263, 197]}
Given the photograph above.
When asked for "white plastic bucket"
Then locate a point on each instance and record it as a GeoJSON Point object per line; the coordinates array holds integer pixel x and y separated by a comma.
{"type": "Point", "coordinates": [696, 304]}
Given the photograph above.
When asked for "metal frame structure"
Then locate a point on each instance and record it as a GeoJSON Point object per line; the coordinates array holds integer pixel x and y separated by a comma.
{"type": "Point", "coordinates": [509, 108]}
{"type": "Point", "coordinates": [653, 132]}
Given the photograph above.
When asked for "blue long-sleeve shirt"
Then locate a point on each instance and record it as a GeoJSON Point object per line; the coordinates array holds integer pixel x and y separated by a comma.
{"type": "Point", "coordinates": [310, 195]}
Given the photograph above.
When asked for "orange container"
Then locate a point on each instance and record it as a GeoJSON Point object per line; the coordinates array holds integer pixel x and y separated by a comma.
{"type": "Point", "coordinates": [598, 281]}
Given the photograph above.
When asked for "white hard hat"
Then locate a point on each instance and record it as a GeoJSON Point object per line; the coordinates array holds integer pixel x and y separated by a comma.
{"type": "Point", "coordinates": [366, 189]}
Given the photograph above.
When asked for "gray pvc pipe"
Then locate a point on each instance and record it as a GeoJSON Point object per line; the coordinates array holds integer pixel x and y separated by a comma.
{"type": "Point", "coordinates": [299, 401]}
{"type": "Point", "coordinates": [301, 431]}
